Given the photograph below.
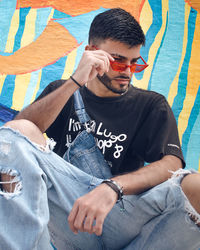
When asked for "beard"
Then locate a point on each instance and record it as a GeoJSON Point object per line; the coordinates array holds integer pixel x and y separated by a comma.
{"type": "Point", "coordinates": [107, 82]}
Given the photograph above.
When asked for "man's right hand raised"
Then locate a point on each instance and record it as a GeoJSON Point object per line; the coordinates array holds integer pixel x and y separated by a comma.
{"type": "Point", "coordinates": [93, 62]}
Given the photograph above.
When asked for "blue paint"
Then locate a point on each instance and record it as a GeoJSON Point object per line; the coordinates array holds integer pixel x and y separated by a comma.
{"type": "Point", "coordinates": [7, 9]}
{"type": "Point", "coordinates": [59, 14]}
{"type": "Point", "coordinates": [78, 26]}
{"type": "Point", "coordinates": [193, 148]}
{"type": "Point", "coordinates": [9, 83]}
{"type": "Point", "coordinates": [6, 53]}
{"type": "Point", "coordinates": [80, 51]}
{"type": "Point", "coordinates": [170, 53]}
{"type": "Point", "coordinates": [7, 90]}
{"type": "Point", "coordinates": [182, 84]}
{"type": "Point", "coordinates": [156, 6]}
{"type": "Point", "coordinates": [51, 73]}
{"type": "Point", "coordinates": [6, 114]}
{"type": "Point", "coordinates": [31, 88]}
{"type": "Point", "coordinates": [158, 53]}
{"type": "Point", "coordinates": [187, 142]}
{"type": "Point", "coordinates": [41, 21]}
{"type": "Point", "coordinates": [22, 17]}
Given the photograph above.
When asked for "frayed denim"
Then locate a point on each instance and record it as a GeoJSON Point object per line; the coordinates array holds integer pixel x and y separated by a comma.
{"type": "Point", "coordinates": [34, 215]}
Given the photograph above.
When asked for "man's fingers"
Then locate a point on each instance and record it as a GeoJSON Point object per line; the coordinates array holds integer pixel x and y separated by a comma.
{"type": "Point", "coordinates": [104, 53]}
{"type": "Point", "coordinates": [97, 229]}
{"type": "Point", "coordinates": [71, 218]}
{"type": "Point", "coordinates": [79, 217]}
{"type": "Point", "coordinates": [91, 64]}
{"type": "Point", "coordinates": [79, 220]}
{"type": "Point", "coordinates": [100, 60]}
{"type": "Point", "coordinates": [105, 60]}
{"type": "Point", "coordinates": [89, 211]}
{"type": "Point", "coordinates": [101, 64]}
{"type": "Point", "coordinates": [88, 223]}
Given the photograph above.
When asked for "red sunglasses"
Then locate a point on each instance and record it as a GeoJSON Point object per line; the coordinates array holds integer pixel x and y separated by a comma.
{"type": "Point", "coordinates": [120, 67]}
{"type": "Point", "coordinates": [134, 67]}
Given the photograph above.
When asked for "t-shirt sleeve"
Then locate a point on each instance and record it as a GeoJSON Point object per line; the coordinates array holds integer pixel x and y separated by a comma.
{"type": "Point", "coordinates": [49, 88]}
{"type": "Point", "coordinates": [161, 133]}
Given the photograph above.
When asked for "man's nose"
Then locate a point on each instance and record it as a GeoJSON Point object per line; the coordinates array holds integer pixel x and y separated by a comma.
{"type": "Point", "coordinates": [127, 71]}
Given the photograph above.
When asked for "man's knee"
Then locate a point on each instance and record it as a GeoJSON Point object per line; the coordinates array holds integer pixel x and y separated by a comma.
{"type": "Point", "coordinates": [191, 187]}
{"type": "Point", "coordinates": [29, 129]}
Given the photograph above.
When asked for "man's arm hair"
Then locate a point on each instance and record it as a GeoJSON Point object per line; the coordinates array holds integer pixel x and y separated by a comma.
{"type": "Point", "coordinates": [149, 176]}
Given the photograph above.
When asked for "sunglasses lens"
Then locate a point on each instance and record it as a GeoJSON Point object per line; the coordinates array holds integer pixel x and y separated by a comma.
{"type": "Point", "coordinates": [134, 68]}
{"type": "Point", "coordinates": [117, 66]}
{"type": "Point", "coordinates": [139, 68]}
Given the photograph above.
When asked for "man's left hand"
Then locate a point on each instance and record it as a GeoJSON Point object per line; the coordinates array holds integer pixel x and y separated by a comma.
{"type": "Point", "coordinates": [89, 211]}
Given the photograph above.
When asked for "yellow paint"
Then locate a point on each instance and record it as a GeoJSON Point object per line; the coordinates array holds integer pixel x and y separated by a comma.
{"type": "Point", "coordinates": [54, 42]}
{"type": "Point", "coordinates": [69, 65]}
{"type": "Point", "coordinates": [174, 86]}
{"type": "Point", "coordinates": [146, 17]}
{"type": "Point", "coordinates": [37, 86]}
{"type": "Point", "coordinates": [40, 72]}
{"type": "Point", "coordinates": [143, 83]}
{"type": "Point", "coordinates": [2, 79]}
{"type": "Point", "coordinates": [192, 81]}
{"type": "Point", "coordinates": [29, 29]}
{"type": "Point", "coordinates": [50, 15]}
{"type": "Point", "coordinates": [21, 85]}
{"type": "Point", "coordinates": [12, 32]}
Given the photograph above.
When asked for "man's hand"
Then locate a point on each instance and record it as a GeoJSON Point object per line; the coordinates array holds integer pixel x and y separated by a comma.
{"type": "Point", "coordinates": [93, 62]}
{"type": "Point", "coordinates": [89, 211]}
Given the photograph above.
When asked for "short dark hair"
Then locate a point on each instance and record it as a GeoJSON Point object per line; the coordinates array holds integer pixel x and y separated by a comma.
{"type": "Point", "coordinates": [118, 25]}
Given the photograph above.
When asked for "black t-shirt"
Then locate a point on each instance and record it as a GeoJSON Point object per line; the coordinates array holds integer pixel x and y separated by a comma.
{"type": "Point", "coordinates": [130, 129]}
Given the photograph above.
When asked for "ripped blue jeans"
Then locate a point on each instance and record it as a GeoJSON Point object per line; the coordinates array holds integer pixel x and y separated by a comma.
{"type": "Point", "coordinates": [34, 215]}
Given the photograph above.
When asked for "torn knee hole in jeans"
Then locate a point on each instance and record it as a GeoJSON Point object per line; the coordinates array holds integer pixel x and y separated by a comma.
{"type": "Point", "coordinates": [10, 183]}
{"type": "Point", "coordinates": [194, 216]}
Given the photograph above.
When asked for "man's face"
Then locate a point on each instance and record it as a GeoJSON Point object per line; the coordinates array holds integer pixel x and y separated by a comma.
{"type": "Point", "coordinates": [118, 82]}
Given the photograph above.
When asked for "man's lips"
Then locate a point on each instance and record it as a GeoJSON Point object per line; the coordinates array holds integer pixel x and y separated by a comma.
{"type": "Point", "coordinates": [122, 81]}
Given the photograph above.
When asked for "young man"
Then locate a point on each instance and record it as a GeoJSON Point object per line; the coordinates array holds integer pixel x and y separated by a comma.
{"type": "Point", "coordinates": [98, 204]}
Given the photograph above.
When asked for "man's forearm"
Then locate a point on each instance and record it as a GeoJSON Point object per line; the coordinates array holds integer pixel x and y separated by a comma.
{"type": "Point", "coordinates": [148, 176]}
{"type": "Point", "coordinates": [44, 111]}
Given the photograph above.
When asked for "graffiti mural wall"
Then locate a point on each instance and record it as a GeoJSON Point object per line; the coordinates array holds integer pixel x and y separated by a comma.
{"type": "Point", "coordinates": [42, 40]}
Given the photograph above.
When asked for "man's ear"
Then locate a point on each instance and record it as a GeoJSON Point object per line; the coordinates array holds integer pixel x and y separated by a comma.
{"type": "Point", "coordinates": [90, 47]}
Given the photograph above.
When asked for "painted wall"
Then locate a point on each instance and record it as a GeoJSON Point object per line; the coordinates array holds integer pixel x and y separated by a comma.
{"type": "Point", "coordinates": [42, 40]}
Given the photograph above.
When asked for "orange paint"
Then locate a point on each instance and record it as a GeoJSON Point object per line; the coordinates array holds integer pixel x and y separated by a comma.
{"type": "Point", "coordinates": [195, 4]}
{"type": "Point", "coordinates": [78, 7]}
{"type": "Point", "coordinates": [141, 6]}
{"type": "Point", "coordinates": [54, 42]}
{"type": "Point", "coordinates": [33, 3]}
